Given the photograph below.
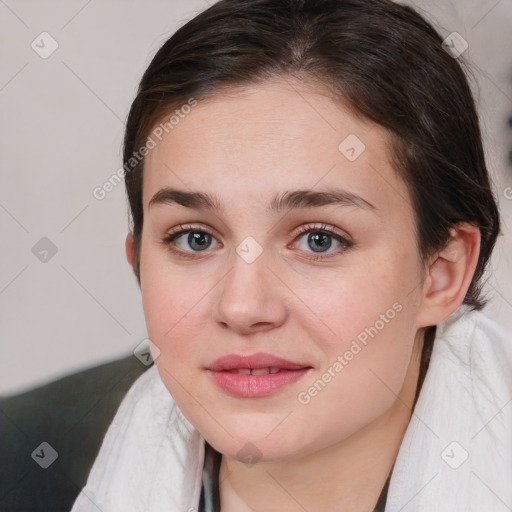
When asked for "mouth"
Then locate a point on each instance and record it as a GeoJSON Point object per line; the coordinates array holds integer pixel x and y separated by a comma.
{"type": "Point", "coordinates": [256, 375]}
{"type": "Point", "coordinates": [255, 371]}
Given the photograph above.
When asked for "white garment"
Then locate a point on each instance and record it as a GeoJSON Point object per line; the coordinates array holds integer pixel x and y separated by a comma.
{"type": "Point", "coordinates": [456, 454]}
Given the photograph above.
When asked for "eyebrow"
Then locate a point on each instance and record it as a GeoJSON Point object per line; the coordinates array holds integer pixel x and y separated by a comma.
{"type": "Point", "coordinates": [286, 201]}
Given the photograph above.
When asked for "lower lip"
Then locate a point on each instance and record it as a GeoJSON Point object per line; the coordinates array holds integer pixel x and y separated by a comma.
{"type": "Point", "coordinates": [251, 386]}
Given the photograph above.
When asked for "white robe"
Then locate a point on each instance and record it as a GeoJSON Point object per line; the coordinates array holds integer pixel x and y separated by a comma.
{"type": "Point", "coordinates": [456, 454]}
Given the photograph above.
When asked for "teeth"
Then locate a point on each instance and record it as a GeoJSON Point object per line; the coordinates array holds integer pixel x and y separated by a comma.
{"type": "Point", "coordinates": [243, 371]}
{"type": "Point", "coordinates": [260, 371]}
{"type": "Point", "coordinates": [255, 371]}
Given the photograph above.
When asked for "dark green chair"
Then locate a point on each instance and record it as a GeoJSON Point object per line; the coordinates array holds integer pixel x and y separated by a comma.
{"type": "Point", "coordinates": [72, 415]}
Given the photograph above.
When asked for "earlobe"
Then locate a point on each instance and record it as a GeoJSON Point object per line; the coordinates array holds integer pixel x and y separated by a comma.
{"type": "Point", "coordinates": [449, 275]}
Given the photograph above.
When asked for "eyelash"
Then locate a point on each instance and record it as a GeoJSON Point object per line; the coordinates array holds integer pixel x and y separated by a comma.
{"type": "Point", "coordinates": [308, 228]}
{"type": "Point", "coordinates": [181, 230]}
{"type": "Point", "coordinates": [312, 228]}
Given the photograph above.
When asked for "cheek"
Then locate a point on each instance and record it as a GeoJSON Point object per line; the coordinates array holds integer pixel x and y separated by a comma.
{"type": "Point", "coordinates": [364, 373]}
{"type": "Point", "coordinates": [175, 310]}
{"type": "Point", "coordinates": [175, 307]}
{"type": "Point", "coordinates": [359, 298]}
{"type": "Point", "coordinates": [365, 330]}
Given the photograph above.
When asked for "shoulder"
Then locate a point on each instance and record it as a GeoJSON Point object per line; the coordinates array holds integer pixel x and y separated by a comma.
{"type": "Point", "coordinates": [478, 350]}
{"type": "Point", "coordinates": [478, 332]}
{"type": "Point", "coordinates": [71, 416]}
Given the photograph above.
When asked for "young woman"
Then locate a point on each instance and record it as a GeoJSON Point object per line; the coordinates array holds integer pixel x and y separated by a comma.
{"type": "Point", "coordinates": [312, 217]}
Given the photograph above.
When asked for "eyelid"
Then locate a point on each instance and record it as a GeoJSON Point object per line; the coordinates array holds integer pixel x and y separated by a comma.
{"type": "Point", "coordinates": [189, 227]}
{"type": "Point", "coordinates": [324, 228]}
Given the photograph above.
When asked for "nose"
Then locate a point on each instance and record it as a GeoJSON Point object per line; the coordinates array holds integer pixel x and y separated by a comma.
{"type": "Point", "coordinates": [250, 298]}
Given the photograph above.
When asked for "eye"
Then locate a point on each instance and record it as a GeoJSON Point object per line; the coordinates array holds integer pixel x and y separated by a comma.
{"type": "Point", "coordinates": [189, 240]}
{"type": "Point", "coordinates": [320, 240]}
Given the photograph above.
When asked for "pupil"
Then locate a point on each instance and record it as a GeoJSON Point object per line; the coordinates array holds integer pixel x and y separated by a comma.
{"type": "Point", "coordinates": [322, 240]}
{"type": "Point", "coordinates": [199, 241]}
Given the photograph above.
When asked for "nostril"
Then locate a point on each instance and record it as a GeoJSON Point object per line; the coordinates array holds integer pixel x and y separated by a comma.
{"type": "Point", "coordinates": [261, 326]}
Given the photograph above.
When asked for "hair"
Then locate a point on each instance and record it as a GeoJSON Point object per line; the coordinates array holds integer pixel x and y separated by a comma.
{"type": "Point", "coordinates": [381, 59]}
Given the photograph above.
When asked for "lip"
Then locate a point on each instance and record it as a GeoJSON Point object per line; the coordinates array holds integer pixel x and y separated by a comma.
{"type": "Point", "coordinates": [251, 386]}
{"type": "Point", "coordinates": [253, 361]}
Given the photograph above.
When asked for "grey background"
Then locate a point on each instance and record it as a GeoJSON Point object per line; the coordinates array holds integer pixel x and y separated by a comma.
{"type": "Point", "coordinates": [61, 128]}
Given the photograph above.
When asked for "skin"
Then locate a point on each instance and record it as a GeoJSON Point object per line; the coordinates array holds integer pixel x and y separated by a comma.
{"type": "Point", "coordinates": [245, 148]}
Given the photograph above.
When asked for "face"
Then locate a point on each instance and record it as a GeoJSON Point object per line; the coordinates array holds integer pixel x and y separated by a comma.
{"type": "Point", "coordinates": [298, 258]}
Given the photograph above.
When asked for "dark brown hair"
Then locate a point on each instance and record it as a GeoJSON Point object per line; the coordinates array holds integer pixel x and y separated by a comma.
{"type": "Point", "coordinates": [380, 58]}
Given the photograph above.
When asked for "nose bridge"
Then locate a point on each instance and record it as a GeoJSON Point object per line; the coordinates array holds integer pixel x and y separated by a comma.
{"type": "Point", "coordinates": [250, 296]}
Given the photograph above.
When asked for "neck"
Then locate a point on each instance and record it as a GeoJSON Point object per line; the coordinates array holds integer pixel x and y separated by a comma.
{"type": "Point", "coordinates": [347, 476]}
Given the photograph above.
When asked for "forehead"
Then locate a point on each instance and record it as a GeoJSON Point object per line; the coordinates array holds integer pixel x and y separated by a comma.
{"type": "Point", "coordinates": [258, 141]}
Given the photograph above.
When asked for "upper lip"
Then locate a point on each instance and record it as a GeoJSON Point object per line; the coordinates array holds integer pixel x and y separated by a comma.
{"type": "Point", "coordinates": [253, 361]}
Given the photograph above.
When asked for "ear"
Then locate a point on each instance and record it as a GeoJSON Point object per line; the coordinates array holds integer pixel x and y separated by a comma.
{"type": "Point", "coordinates": [129, 249]}
{"type": "Point", "coordinates": [449, 275]}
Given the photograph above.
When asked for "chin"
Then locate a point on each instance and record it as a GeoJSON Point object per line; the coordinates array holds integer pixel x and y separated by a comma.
{"type": "Point", "coordinates": [255, 451]}
{"type": "Point", "coordinates": [255, 445]}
